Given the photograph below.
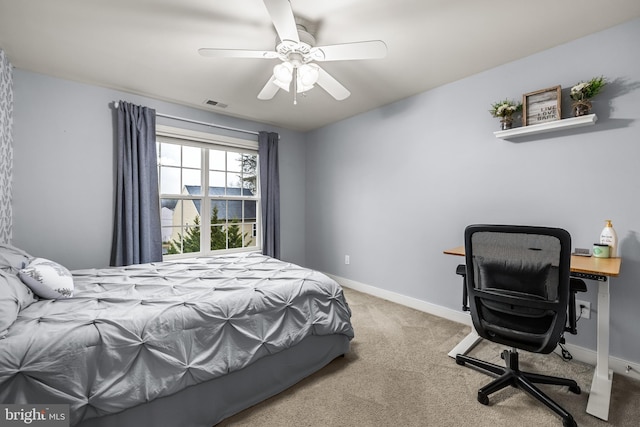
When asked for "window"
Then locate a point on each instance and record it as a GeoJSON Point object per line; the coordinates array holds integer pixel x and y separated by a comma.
{"type": "Point", "coordinates": [209, 198]}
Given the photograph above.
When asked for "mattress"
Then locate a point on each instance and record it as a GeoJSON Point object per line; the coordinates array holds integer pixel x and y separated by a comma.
{"type": "Point", "coordinates": [131, 335]}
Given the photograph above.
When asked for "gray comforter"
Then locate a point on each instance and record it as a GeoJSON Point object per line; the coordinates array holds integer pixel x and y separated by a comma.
{"type": "Point", "coordinates": [133, 334]}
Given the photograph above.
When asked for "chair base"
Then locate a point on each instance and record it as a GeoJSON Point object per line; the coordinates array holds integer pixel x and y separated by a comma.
{"type": "Point", "coordinates": [511, 375]}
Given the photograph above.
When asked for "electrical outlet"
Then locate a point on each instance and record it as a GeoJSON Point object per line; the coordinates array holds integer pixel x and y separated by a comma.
{"type": "Point", "coordinates": [583, 309]}
{"type": "Point", "coordinates": [346, 259]}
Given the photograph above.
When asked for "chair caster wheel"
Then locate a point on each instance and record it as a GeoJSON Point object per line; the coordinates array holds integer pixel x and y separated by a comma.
{"type": "Point", "coordinates": [569, 423]}
{"type": "Point", "coordinates": [483, 398]}
{"type": "Point", "coordinates": [575, 389]}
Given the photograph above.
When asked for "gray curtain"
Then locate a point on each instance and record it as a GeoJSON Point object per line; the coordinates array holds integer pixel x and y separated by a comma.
{"type": "Point", "coordinates": [270, 193]}
{"type": "Point", "coordinates": [137, 235]}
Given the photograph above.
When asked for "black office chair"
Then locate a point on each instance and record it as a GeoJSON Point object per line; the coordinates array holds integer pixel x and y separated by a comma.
{"type": "Point", "coordinates": [517, 281]}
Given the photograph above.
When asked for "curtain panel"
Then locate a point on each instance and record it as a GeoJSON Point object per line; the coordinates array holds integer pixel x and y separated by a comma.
{"type": "Point", "coordinates": [137, 235]}
{"type": "Point", "coordinates": [270, 193]}
{"type": "Point", "coordinates": [6, 148]}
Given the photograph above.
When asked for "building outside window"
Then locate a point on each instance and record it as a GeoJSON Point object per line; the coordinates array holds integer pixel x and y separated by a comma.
{"type": "Point", "coordinates": [209, 193]}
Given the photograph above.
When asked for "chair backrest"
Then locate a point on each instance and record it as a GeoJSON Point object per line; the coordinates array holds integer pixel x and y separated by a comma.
{"type": "Point", "coordinates": [518, 284]}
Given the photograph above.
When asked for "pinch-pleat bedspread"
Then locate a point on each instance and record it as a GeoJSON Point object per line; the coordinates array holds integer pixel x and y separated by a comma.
{"type": "Point", "coordinates": [132, 334]}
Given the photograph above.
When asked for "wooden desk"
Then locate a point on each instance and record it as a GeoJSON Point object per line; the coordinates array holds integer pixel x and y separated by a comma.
{"type": "Point", "coordinates": [609, 267]}
{"type": "Point", "coordinates": [600, 270]}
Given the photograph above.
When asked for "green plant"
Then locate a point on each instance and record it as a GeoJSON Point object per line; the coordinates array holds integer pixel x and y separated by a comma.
{"type": "Point", "coordinates": [505, 108]}
{"type": "Point", "coordinates": [586, 90]}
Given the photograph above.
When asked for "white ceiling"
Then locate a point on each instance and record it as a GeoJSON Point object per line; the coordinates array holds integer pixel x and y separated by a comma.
{"type": "Point", "coordinates": [150, 47]}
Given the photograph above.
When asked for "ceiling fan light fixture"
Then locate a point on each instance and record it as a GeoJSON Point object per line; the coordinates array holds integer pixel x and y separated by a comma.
{"type": "Point", "coordinates": [283, 72]}
{"type": "Point", "coordinates": [282, 75]}
{"type": "Point", "coordinates": [308, 75]}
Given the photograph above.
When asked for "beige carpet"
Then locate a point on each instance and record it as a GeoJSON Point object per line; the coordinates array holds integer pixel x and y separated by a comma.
{"type": "Point", "coordinates": [398, 374]}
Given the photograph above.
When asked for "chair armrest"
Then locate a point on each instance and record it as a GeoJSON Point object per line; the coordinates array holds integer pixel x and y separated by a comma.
{"type": "Point", "coordinates": [575, 285]}
{"type": "Point", "coordinates": [461, 270]}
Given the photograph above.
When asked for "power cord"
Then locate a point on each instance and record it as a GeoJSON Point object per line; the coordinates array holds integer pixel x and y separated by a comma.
{"type": "Point", "coordinates": [582, 307]}
{"type": "Point", "coordinates": [566, 355]}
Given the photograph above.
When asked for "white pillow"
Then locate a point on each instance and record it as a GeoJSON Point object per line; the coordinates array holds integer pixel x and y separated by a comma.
{"type": "Point", "coordinates": [47, 279]}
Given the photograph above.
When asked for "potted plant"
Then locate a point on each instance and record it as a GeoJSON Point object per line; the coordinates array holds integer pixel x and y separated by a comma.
{"type": "Point", "coordinates": [582, 93]}
{"type": "Point", "coordinates": [505, 110]}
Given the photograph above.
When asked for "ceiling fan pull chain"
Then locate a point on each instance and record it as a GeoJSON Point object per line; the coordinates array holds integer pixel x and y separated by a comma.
{"type": "Point", "coordinates": [295, 85]}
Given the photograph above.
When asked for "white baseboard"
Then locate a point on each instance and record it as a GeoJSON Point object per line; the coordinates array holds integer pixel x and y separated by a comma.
{"type": "Point", "coordinates": [427, 307]}
{"type": "Point", "coordinates": [580, 354]}
{"type": "Point", "coordinates": [619, 366]}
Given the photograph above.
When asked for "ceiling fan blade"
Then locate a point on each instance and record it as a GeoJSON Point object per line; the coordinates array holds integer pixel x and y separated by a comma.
{"type": "Point", "coordinates": [283, 20]}
{"type": "Point", "coordinates": [331, 85]}
{"type": "Point", "coordinates": [269, 90]}
{"type": "Point", "coordinates": [373, 49]}
{"type": "Point", "coordinates": [236, 53]}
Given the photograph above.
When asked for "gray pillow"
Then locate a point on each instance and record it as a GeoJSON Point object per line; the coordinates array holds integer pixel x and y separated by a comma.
{"type": "Point", "coordinates": [13, 259]}
{"type": "Point", "coordinates": [14, 296]}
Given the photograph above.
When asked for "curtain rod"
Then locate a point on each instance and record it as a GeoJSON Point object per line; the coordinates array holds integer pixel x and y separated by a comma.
{"type": "Point", "coordinates": [182, 119]}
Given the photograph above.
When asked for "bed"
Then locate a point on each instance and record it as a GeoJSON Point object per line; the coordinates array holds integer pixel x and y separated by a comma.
{"type": "Point", "coordinates": [186, 342]}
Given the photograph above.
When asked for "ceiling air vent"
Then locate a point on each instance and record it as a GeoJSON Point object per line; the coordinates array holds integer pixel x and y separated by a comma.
{"type": "Point", "coordinates": [215, 103]}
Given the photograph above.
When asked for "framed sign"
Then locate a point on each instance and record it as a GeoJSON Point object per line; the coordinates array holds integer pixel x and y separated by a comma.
{"type": "Point", "coordinates": [541, 106]}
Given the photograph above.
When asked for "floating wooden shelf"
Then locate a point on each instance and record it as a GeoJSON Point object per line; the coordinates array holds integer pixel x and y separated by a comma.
{"type": "Point", "coordinates": [573, 122]}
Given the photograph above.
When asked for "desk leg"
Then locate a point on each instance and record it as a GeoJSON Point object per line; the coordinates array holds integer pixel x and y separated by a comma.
{"type": "Point", "coordinates": [600, 394]}
{"type": "Point", "coordinates": [466, 344]}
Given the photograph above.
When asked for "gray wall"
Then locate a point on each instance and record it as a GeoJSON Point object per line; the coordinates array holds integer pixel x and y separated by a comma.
{"type": "Point", "coordinates": [394, 187]}
{"type": "Point", "coordinates": [63, 183]}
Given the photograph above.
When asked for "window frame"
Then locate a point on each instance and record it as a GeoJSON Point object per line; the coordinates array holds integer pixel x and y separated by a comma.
{"type": "Point", "coordinates": [209, 141]}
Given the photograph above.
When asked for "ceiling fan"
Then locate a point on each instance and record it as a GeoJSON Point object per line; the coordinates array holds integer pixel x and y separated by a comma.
{"type": "Point", "coordinates": [296, 50]}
